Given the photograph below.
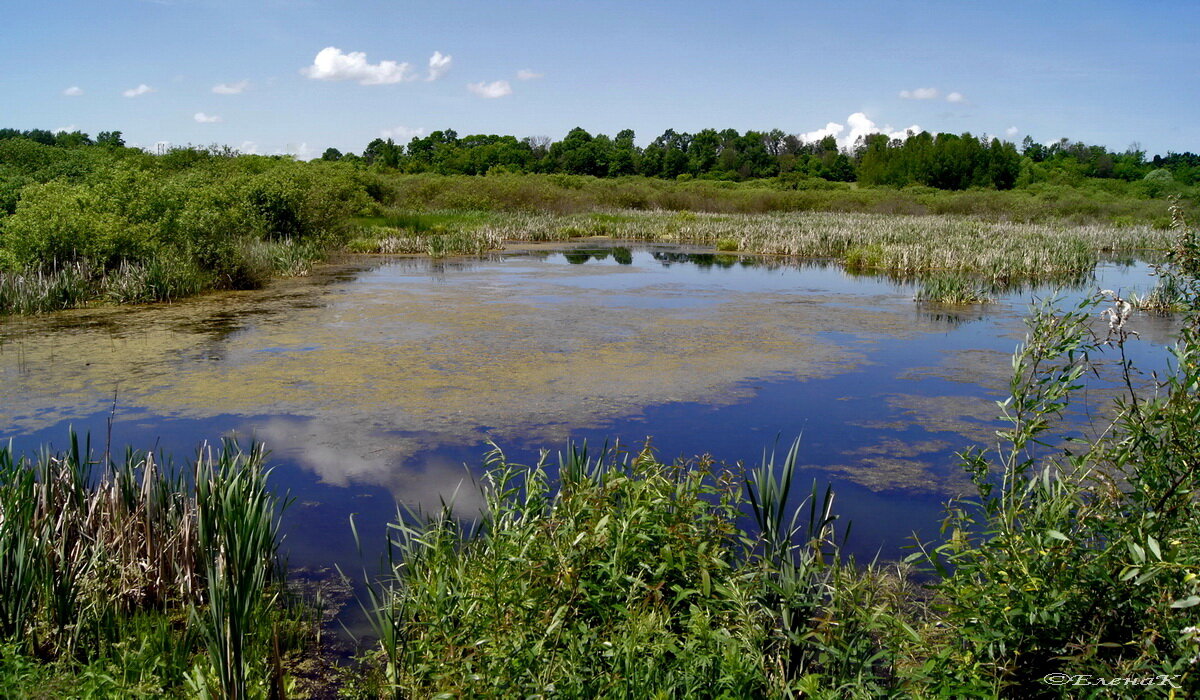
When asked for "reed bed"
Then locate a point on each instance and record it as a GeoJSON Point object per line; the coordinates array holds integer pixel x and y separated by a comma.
{"type": "Point", "coordinates": [167, 578]}
{"type": "Point", "coordinates": [435, 243]}
{"type": "Point", "coordinates": [952, 289]}
{"type": "Point", "coordinates": [163, 278]}
{"type": "Point", "coordinates": [995, 253]}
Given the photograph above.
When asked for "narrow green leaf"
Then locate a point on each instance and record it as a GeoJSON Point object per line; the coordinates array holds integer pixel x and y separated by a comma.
{"type": "Point", "coordinates": [1055, 534]}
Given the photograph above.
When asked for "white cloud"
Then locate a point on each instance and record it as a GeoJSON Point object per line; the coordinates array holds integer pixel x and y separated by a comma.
{"type": "Point", "coordinates": [920, 94]}
{"type": "Point", "coordinates": [832, 129]}
{"type": "Point", "coordinates": [492, 90]}
{"type": "Point", "coordinates": [248, 147]}
{"type": "Point", "coordinates": [401, 134]}
{"type": "Point", "coordinates": [73, 91]}
{"type": "Point", "coordinates": [526, 74]}
{"type": "Point", "coordinates": [231, 88]}
{"type": "Point", "coordinates": [1011, 131]}
{"type": "Point", "coordinates": [203, 118]}
{"type": "Point", "coordinates": [138, 91]}
{"type": "Point", "coordinates": [69, 129]}
{"type": "Point", "coordinates": [955, 97]}
{"type": "Point", "coordinates": [860, 125]}
{"type": "Point", "coordinates": [439, 65]}
{"type": "Point", "coordinates": [332, 64]}
{"type": "Point", "coordinates": [857, 125]}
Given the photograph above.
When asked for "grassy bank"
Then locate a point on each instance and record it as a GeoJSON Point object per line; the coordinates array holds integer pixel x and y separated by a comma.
{"type": "Point", "coordinates": [90, 225]}
{"type": "Point", "coordinates": [1086, 203]}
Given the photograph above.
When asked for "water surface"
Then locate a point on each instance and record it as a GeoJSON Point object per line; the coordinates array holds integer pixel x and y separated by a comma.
{"type": "Point", "coordinates": [382, 380]}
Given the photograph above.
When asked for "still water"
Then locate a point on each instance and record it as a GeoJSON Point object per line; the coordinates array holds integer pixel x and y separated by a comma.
{"type": "Point", "coordinates": [378, 381]}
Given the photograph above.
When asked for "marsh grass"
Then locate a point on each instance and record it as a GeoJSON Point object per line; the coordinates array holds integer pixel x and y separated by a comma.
{"type": "Point", "coordinates": [40, 291]}
{"type": "Point", "coordinates": [952, 289]}
{"type": "Point", "coordinates": [166, 577]}
{"type": "Point", "coordinates": [163, 278]}
{"type": "Point", "coordinates": [998, 252]}
{"type": "Point", "coordinates": [993, 253]}
{"type": "Point", "coordinates": [566, 194]}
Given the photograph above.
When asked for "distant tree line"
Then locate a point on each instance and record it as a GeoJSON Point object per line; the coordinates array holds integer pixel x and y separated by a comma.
{"type": "Point", "coordinates": [64, 138]}
{"type": "Point", "coordinates": [943, 161]}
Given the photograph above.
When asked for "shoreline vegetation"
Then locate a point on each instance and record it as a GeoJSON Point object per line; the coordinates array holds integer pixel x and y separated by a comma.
{"type": "Point", "coordinates": [86, 221]}
{"type": "Point", "coordinates": [613, 574]}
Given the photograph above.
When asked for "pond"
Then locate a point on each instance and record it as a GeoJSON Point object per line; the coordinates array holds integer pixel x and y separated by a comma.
{"type": "Point", "coordinates": [375, 380]}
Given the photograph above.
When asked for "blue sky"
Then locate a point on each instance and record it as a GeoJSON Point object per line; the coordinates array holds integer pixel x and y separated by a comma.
{"type": "Point", "coordinates": [1112, 73]}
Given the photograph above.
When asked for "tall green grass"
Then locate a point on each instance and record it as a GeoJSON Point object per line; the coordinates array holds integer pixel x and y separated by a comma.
{"type": "Point", "coordinates": [954, 289]}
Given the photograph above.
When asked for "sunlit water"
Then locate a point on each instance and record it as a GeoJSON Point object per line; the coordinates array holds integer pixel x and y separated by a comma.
{"type": "Point", "coordinates": [380, 381]}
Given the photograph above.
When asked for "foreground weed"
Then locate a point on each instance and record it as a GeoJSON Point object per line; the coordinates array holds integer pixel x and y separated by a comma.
{"type": "Point", "coordinates": [630, 578]}
{"type": "Point", "coordinates": [133, 577]}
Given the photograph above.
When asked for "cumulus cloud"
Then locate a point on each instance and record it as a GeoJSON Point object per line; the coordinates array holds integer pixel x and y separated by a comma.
{"type": "Point", "coordinates": [73, 91]}
{"type": "Point", "coordinates": [203, 118]}
{"type": "Point", "coordinates": [231, 88]}
{"type": "Point", "coordinates": [439, 65]}
{"type": "Point", "coordinates": [1011, 131]}
{"type": "Point", "coordinates": [401, 134]}
{"type": "Point", "coordinates": [920, 94]}
{"type": "Point", "coordinates": [492, 90]}
{"type": "Point", "coordinates": [955, 97]}
{"type": "Point", "coordinates": [526, 74]}
{"type": "Point", "coordinates": [860, 125]}
{"type": "Point", "coordinates": [249, 147]}
{"type": "Point", "coordinates": [69, 129]}
{"type": "Point", "coordinates": [138, 91]}
{"type": "Point", "coordinates": [332, 64]}
{"type": "Point", "coordinates": [831, 129]}
{"type": "Point", "coordinates": [857, 125]}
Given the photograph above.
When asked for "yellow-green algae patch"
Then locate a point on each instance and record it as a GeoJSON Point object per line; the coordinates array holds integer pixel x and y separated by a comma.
{"type": "Point", "coordinates": [973, 418]}
{"type": "Point", "coordinates": [895, 465]}
{"type": "Point", "coordinates": [393, 363]}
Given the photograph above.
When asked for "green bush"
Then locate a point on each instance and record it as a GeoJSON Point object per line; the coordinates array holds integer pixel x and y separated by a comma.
{"type": "Point", "coordinates": [56, 224]}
